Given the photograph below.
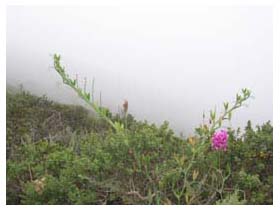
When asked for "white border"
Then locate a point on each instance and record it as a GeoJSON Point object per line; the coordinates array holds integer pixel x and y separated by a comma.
{"type": "Point", "coordinates": [145, 3]}
{"type": "Point", "coordinates": [3, 103]}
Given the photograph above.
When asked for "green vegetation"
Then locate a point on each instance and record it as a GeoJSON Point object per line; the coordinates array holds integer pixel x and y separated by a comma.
{"type": "Point", "coordinates": [65, 154]}
{"type": "Point", "coordinates": [101, 111]}
{"type": "Point", "coordinates": [85, 162]}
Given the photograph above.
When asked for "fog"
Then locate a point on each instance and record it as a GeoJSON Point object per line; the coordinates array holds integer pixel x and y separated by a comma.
{"type": "Point", "coordinates": [169, 63]}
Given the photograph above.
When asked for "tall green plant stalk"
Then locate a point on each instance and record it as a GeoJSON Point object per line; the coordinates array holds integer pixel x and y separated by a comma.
{"type": "Point", "coordinates": [206, 131]}
{"type": "Point", "coordinates": [102, 112]}
{"type": "Point", "coordinates": [219, 160]}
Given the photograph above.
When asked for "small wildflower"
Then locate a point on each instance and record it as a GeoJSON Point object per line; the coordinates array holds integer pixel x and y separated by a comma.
{"type": "Point", "coordinates": [220, 140]}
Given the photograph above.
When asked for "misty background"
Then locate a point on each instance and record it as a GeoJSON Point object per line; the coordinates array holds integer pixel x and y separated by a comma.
{"type": "Point", "coordinates": [169, 63]}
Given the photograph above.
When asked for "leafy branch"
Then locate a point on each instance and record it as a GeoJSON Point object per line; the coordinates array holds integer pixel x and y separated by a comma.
{"type": "Point", "coordinates": [102, 112]}
{"type": "Point", "coordinates": [216, 122]}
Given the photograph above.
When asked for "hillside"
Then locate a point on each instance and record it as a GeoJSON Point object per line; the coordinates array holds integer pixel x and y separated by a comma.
{"type": "Point", "coordinates": [61, 154]}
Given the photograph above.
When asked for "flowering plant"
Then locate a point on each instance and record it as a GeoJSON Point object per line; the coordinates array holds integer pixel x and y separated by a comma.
{"type": "Point", "coordinates": [85, 96]}
{"type": "Point", "coordinates": [220, 140]}
{"type": "Point", "coordinates": [207, 130]}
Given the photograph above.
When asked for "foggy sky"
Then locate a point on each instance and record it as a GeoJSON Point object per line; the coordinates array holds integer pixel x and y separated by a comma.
{"type": "Point", "coordinates": [169, 63]}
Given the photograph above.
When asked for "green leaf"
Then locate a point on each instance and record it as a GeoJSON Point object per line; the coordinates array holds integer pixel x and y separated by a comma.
{"type": "Point", "coordinates": [226, 105]}
{"type": "Point", "coordinates": [212, 115]}
{"type": "Point", "coordinates": [229, 115]}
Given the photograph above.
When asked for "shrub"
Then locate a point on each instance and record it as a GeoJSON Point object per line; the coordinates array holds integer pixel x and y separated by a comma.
{"type": "Point", "coordinates": [149, 167]}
